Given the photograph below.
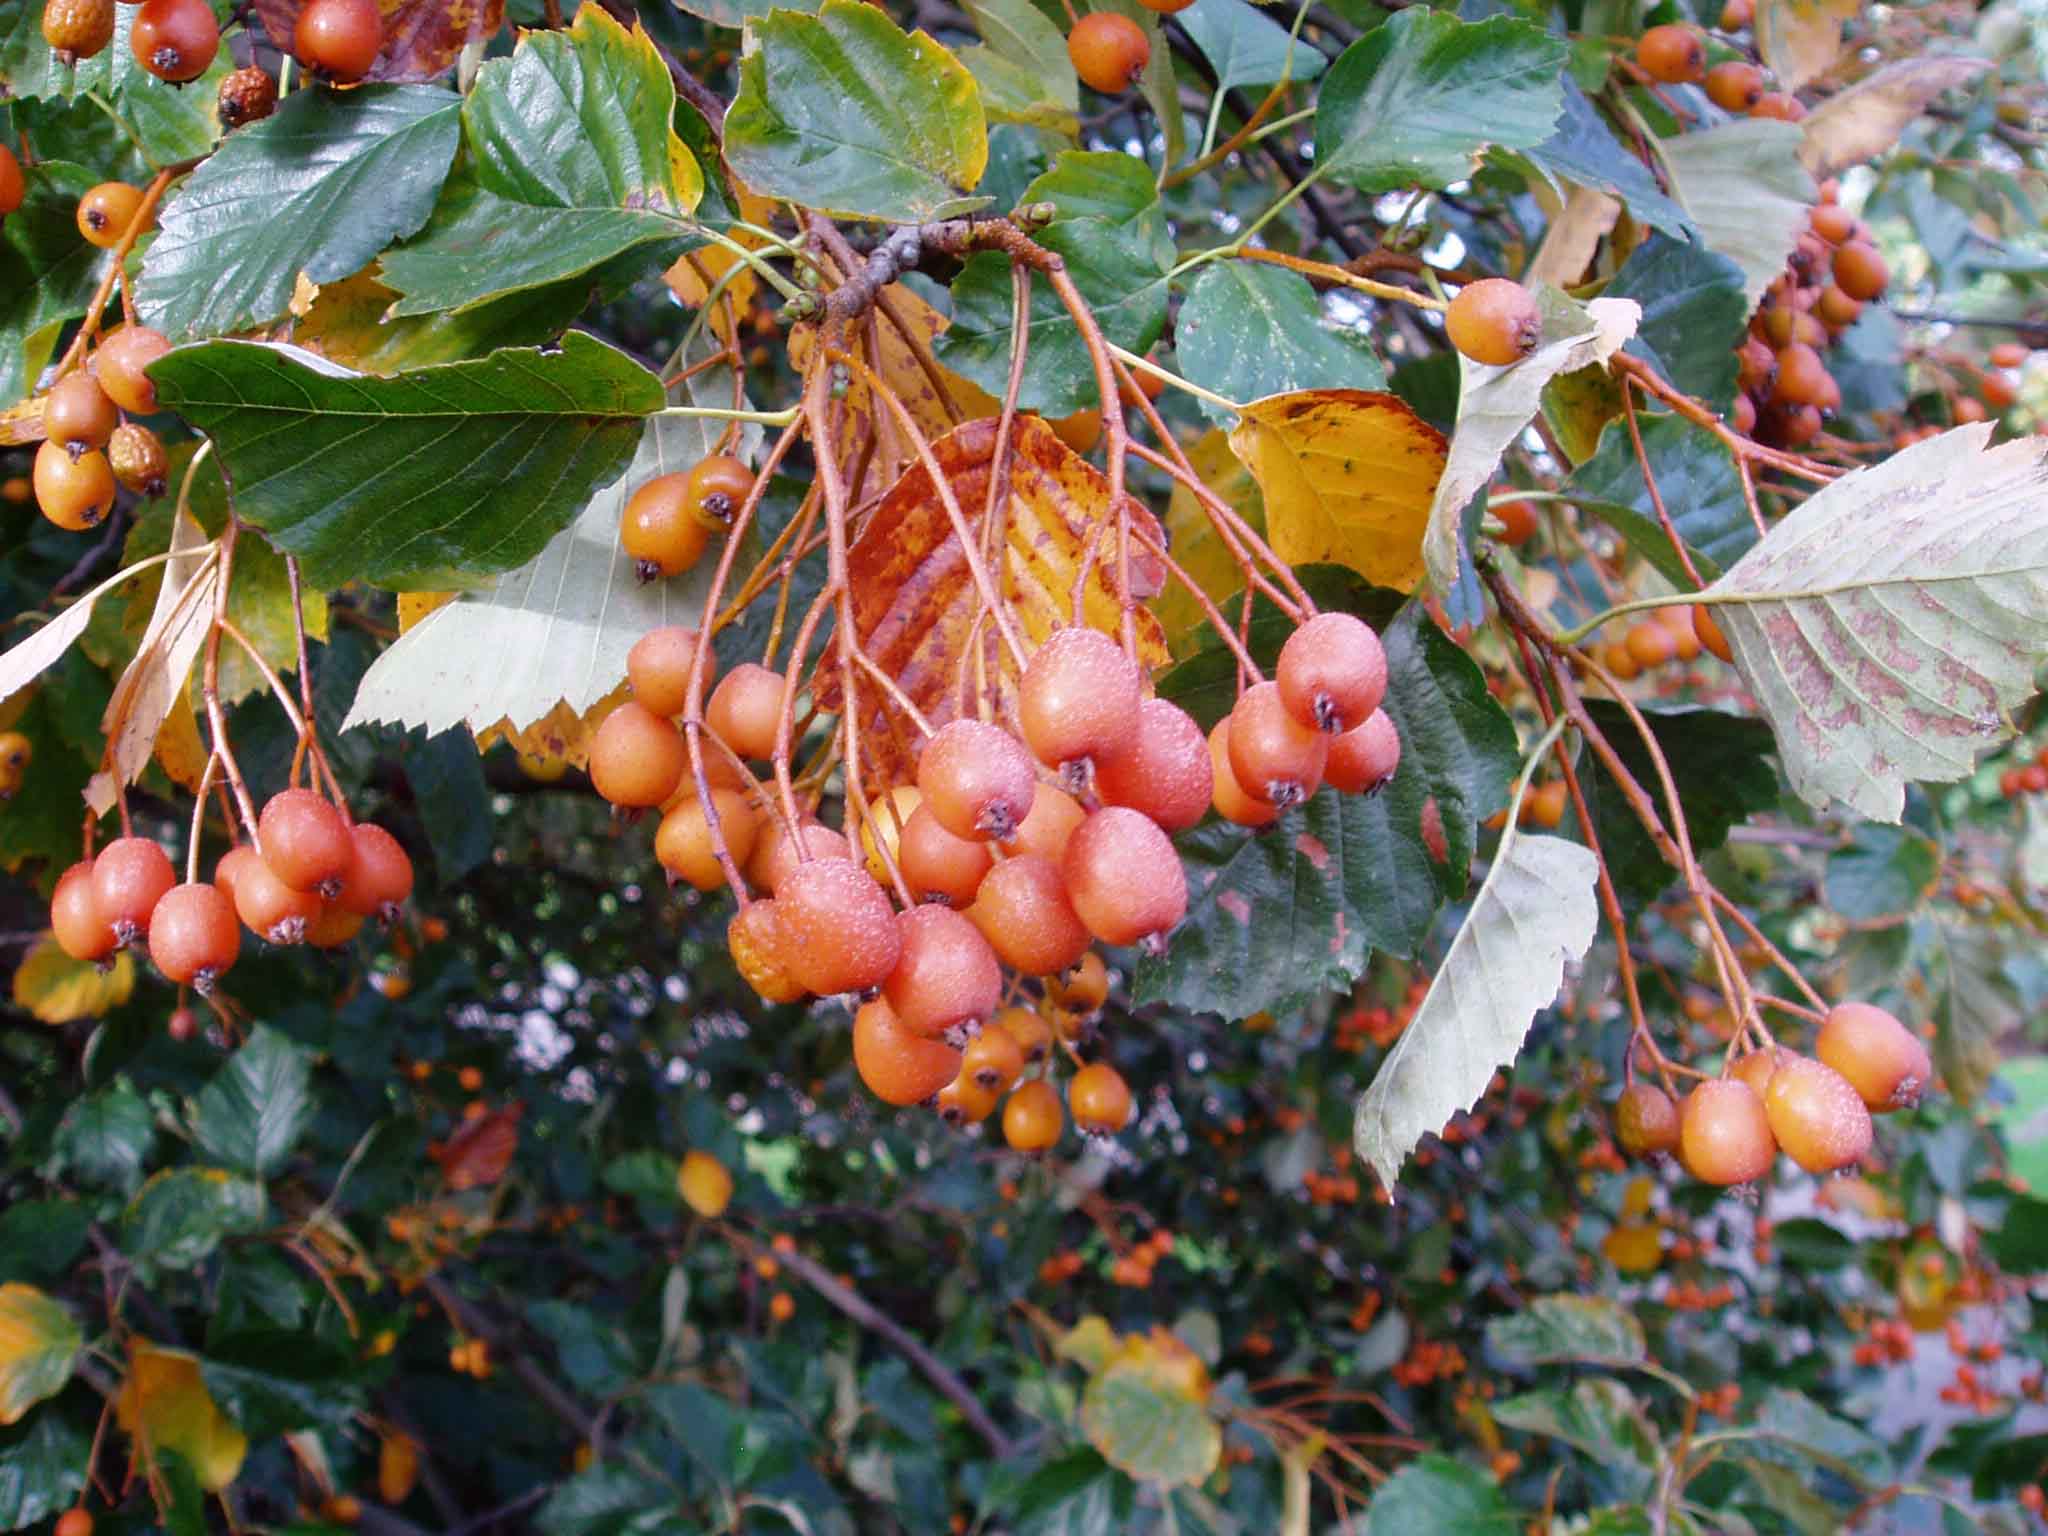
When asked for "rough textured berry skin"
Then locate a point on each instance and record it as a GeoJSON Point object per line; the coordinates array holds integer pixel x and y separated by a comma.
{"type": "Point", "coordinates": [842, 931]}
{"type": "Point", "coordinates": [1032, 1117]}
{"type": "Point", "coordinates": [1078, 698]}
{"type": "Point", "coordinates": [977, 778]}
{"type": "Point", "coordinates": [75, 494]}
{"type": "Point", "coordinates": [775, 854]}
{"type": "Point", "coordinates": [1332, 673]}
{"type": "Point", "coordinates": [121, 364]}
{"type": "Point", "coordinates": [175, 40]}
{"type": "Point", "coordinates": [1273, 756]}
{"type": "Point", "coordinates": [946, 977]}
{"type": "Point", "coordinates": [1099, 1099]}
{"type": "Point", "coordinates": [82, 933]}
{"type": "Point", "coordinates": [936, 865]}
{"type": "Point", "coordinates": [379, 877]}
{"type": "Point", "coordinates": [1108, 51]}
{"type": "Point", "coordinates": [267, 906]}
{"type": "Point", "coordinates": [1494, 321]}
{"type": "Point", "coordinates": [304, 841]}
{"type": "Point", "coordinates": [1166, 773]}
{"type": "Point", "coordinates": [1232, 803]}
{"type": "Point", "coordinates": [637, 758]}
{"type": "Point", "coordinates": [759, 946]}
{"type": "Point", "coordinates": [1816, 1115]}
{"type": "Point", "coordinates": [1124, 879]}
{"type": "Point", "coordinates": [193, 935]}
{"type": "Point", "coordinates": [1364, 760]}
{"type": "Point", "coordinates": [339, 38]}
{"type": "Point", "coordinates": [247, 95]}
{"type": "Point", "coordinates": [1055, 817]}
{"type": "Point", "coordinates": [78, 29]}
{"type": "Point", "coordinates": [136, 456]}
{"type": "Point", "coordinates": [106, 211]}
{"type": "Point", "coordinates": [1882, 1059]}
{"type": "Point", "coordinates": [13, 185]}
{"type": "Point", "coordinates": [898, 1067]}
{"type": "Point", "coordinates": [1672, 54]}
{"type": "Point", "coordinates": [77, 413]}
{"type": "Point", "coordinates": [746, 709]}
{"type": "Point", "coordinates": [658, 667]}
{"type": "Point", "coordinates": [1022, 909]}
{"type": "Point", "coordinates": [1645, 1121]}
{"type": "Point", "coordinates": [1724, 1136]}
{"type": "Point", "coordinates": [129, 877]}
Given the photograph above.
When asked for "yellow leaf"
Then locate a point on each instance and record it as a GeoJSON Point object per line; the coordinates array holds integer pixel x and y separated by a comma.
{"type": "Point", "coordinates": [1090, 1343]}
{"type": "Point", "coordinates": [38, 1342]}
{"type": "Point", "coordinates": [1864, 121]}
{"type": "Point", "coordinates": [1799, 39]}
{"type": "Point", "coordinates": [694, 273]}
{"type": "Point", "coordinates": [179, 750]}
{"type": "Point", "coordinates": [398, 1467]}
{"type": "Point", "coordinates": [414, 606]}
{"type": "Point", "coordinates": [58, 989]}
{"type": "Point", "coordinates": [305, 294]}
{"type": "Point", "coordinates": [559, 738]}
{"type": "Point", "coordinates": [1197, 547]}
{"type": "Point", "coordinates": [1348, 475]}
{"type": "Point", "coordinates": [1634, 1248]}
{"type": "Point", "coordinates": [164, 1406]}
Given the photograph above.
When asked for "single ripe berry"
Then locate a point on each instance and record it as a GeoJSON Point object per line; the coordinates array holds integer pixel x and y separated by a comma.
{"type": "Point", "coordinates": [657, 530]}
{"type": "Point", "coordinates": [1678, 621]}
{"type": "Point", "coordinates": [1124, 879]}
{"type": "Point", "coordinates": [965, 1101]}
{"type": "Point", "coordinates": [1029, 1029]}
{"type": "Point", "coordinates": [759, 947]}
{"type": "Point", "coordinates": [13, 185]}
{"type": "Point", "coordinates": [129, 878]}
{"type": "Point", "coordinates": [334, 927]}
{"type": "Point", "coordinates": [1099, 1099]}
{"type": "Point", "coordinates": [182, 1025]}
{"type": "Point", "coordinates": [193, 936]}
{"type": "Point", "coordinates": [1645, 1121]}
{"type": "Point", "coordinates": [946, 978]}
{"type": "Point", "coordinates": [1518, 521]}
{"type": "Point", "coordinates": [842, 931]}
{"type": "Point", "coordinates": [81, 931]}
{"type": "Point", "coordinates": [1023, 911]}
{"type": "Point", "coordinates": [1364, 759]}
{"type": "Point", "coordinates": [1759, 1067]}
{"type": "Point", "coordinates": [379, 876]}
{"type": "Point", "coordinates": [247, 95]}
{"type": "Point", "coordinates": [1724, 1136]}
{"type": "Point", "coordinates": [1735, 86]}
{"type": "Point", "coordinates": [1742, 415]}
{"type": "Point", "coordinates": [1108, 51]}
{"type": "Point", "coordinates": [75, 494]}
{"type": "Point", "coordinates": [74, 1522]}
{"type": "Point", "coordinates": [1882, 1059]}
{"type": "Point", "coordinates": [339, 38]}
{"type": "Point", "coordinates": [1054, 818]}
{"type": "Point", "coordinates": [77, 29]}
{"type": "Point", "coordinates": [266, 905]}
{"type": "Point", "coordinates": [1078, 698]}
{"type": "Point", "coordinates": [1032, 1117]}
{"type": "Point", "coordinates": [1672, 54]}
{"type": "Point", "coordinates": [1494, 321]}
{"type": "Point", "coordinates": [2003, 354]}
{"type": "Point", "coordinates": [936, 865]}
{"type": "Point", "coordinates": [1273, 756]}
{"type": "Point", "coordinates": [1165, 773]}
{"type": "Point", "coordinates": [1816, 1114]}
{"type": "Point", "coordinates": [1737, 14]}
{"type": "Point", "coordinates": [704, 1183]}
{"type": "Point", "coordinates": [136, 456]}
{"type": "Point", "coordinates": [746, 709]}
{"type": "Point", "coordinates": [718, 487]}
{"type": "Point", "coordinates": [682, 843]}
{"type": "Point", "coordinates": [993, 1059]}
{"type": "Point", "coordinates": [977, 778]}
{"type": "Point", "coordinates": [1709, 633]}
{"type": "Point", "coordinates": [776, 855]}
{"type": "Point", "coordinates": [1832, 222]}
{"type": "Point", "coordinates": [1650, 644]}
{"type": "Point", "coordinates": [1332, 673]}
{"type": "Point", "coordinates": [898, 1067]}
{"type": "Point", "coordinates": [122, 364]}
{"type": "Point", "coordinates": [659, 665]}
{"type": "Point", "coordinates": [1082, 988]}
{"type": "Point", "coordinates": [1232, 803]}
{"type": "Point", "coordinates": [105, 212]}
{"type": "Point", "coordinates": [228, 869]}
{"type": "Point", "coordinates": [637, 758]}
{"type": "Point", "coordinates": [305, 842]}
{"type": "Point", "coordinates": [1803, 379]}
{"type": "Point", "coordinates": [1544, 805]}
{"type": "Point", "coordinates": [77, 413]}
{"type": "Point", "coordinates": [1859, 271]}
{"type": "Point", "coordinates": [175, 40]}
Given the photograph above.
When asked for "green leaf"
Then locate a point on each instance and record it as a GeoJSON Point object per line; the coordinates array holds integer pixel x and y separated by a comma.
{"type": "Point", "coordinates": [1119, 273]}
{"type": "Point", "coordinates": [1743, 186]}
{"type": "Point", "coordinates": [1976, 1007]}
{"type": "Point", "coordinates": [1024, 73]}
{"type": "Point", "coordinates": [446, 775]}
{"type": "Point", "coordinates": [48, 273]}
{"type": "Point", "coordinates": [2023, 1121]}
{"type": "Point", "coordinates": [1099, 184]}
{"type": "Point", "coordinates": [596, 1356]}
{"type": "Point", "coordinates": [1534, 913]}
{"type": "Point", "coordinates": [1812, 1244]}
{"type": "Point", "coordinates": [1559, 1330]}
{"type": "Point", "coordinates": [1146, 1412]}
{"type": "Point", "coordinates": [42, 1470]}
{"type": "Point", "coordinates": [573, 161]}
{"type": "Point", "coordinates": [40, 1238]}
{"type": "Point", "coordinates": [1884, 872]}
{"type": "Point", "coordinates": [1443, 1497]}
{"type": "Point", "coordinates": [274, 1380]}
{"type": "Point", "coordinates": [167, 124]}
{"type": "Point", "coordinates": [1078, 1495]}
{"type": "Point", "coordinates": [253, 1112]}
{"type": "Point", "coordinates": [1720, 763]}
{"type": "Point", "coordinates": [1698, 480]}
{"type": "Point", "coordinates": [319, 187]}
{"type": "Point", "coordinates": [601, 1501]}
{"type": "Point", "coordinates": [1415, 101]}
{"type": "Point", "coordinates": [1584, 150]}
{"type": "Point", "coordinates": [1246, 47]}
{"type": "Point", "coordinates": [432, 504]}
{"type": "Point", "coordinates": [1798, 1426]}
{"type": "Point", "coordinates": [1891, 622]}
{"type": "Point", "coordinates": [105, 1137]}
{"type": "Point", "coordinates": [1600, 1418]}
{"type": "Point", "coordinates": [1247, 330]}
{"type": "Point", "coordinates": [2020, 1242]}
{"type": "Point", "coordinates": [180, 1216]}
{"type": "Point", "coordinates": [1694, 313]}
{"type": "Point", "coordinates": [39, 1343]}
{"type": "Point", "coordinates": [1278, 914]}
{"type": "Point", "coordinates": [846, 113]}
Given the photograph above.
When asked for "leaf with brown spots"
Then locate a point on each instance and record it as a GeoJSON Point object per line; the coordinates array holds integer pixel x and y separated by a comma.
{"type": "Point", "coordinates": [1892, 622]}
{"type": "Point", "coordinates": [421, 37]}
{"type": "Point", "coordinates": [1347, 476]}
{"type": "Point", "coordinates": [914, 600]}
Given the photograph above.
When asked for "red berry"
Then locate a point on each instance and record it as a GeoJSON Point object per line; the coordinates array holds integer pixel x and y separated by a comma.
{"type": "Point", "coordinates": [1364, 759]}
{"type": "Point", "coordinates": [1232, 803]}
{"type": "Point", "coordinates": [1108, 51]}
{"type": "Point", "coordinates": [193, 936]}
{"type": "Point", "coordinates": [305, 842]}
{"type": "Point", "coordinates": [842, 931]}
{"type": "Point", "coordinates": [339, 39]}
{"type": "Point", "coordinates": [1078, 698]}
{"type": "Point", "coordinates": [977, 779]}
{"type": "Point", "coordinates": [936, 865]}
{"type": "Point", "coordinates": [1124, 878]}
{"type": "Point", "coordinates": [82, 933]}
{"type": "Point", "coordinates": [1022, 909]}
{"type": "Point", "coordinates": [379, 877]}
{"type": "Point", "coordinates": [1882, 1059]}
{"type": "Point", "coordinates": [1165, 773]}
{"type": "Point", "coordinates": [1273, 756]}
{"type": "Point", "coordinates": [129, 877]}
{"type": "Point", "coordinates": [946, 978]}
{"type": "Point", "coordinates": [897, 1066]}
{"type": "Point", "coordinates": [122, 367]}
{"type": "Point", "coordinates": [1724, 1135]}
{"type": "Point", "coordinates": [174, 40]}
{"type": "Point", "coordinates": [1055, 817]}
{"type": "Point", "coordinates": [776, 855]}
{"type": "Point", "coordinates": [1332, 673]}
{"type": "Point", "coordinates": [266, 905]}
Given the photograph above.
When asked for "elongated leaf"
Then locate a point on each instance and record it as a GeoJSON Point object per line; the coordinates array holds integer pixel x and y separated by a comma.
{"type": "Point", "coordinates": [1246, 47]}
{"type": "Point", "coordinates": [428, 478]}
{"type": "Point", "coordinates": [1891, 622]}
{"type": "Point", "coordinates": [1976, 1008]}
{"type": "Point", "coordinates": [1534, 913]}
{"type": "Point", "coordinates": [48, 273]}
{"type": "Point", "coordinates": [253, 1111]}
{"type": "Point", "coordinates": [1799, 39]}
{"type": "Point", "coordinates": [164, 1405]}
{"type": "Point", "coordinates": [1600, 1418]}
{"type": "Point", "coordinates": [844, 112]}
{"type": "Point", "coordinates": [30, 658]}
{"type": "Point", "coordinates": [1863, 121]}
{"type": "Point", "coordinates": [1743, 186]}
{"type": "Point", "coordinates": [1554, 1330]}
{"type": "Point", "coordinates": [39, 1341]}
{"type": "Point", "coordinates": [1415, 101]}
{"type": "Point", "coordinates": [1248, 330]}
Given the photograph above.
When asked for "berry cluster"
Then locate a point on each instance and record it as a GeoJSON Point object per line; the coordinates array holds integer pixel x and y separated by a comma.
{"type": "Point", "coordinates": [176, 41]}
{"type": "Point", "coordinates": [1889, 1341]}
{"type": "Point", "coordinates": [2025, 778]}
{"type": "Point", "coordinates": [313, 878]}
{"type": "Point", "coordinates": [1816, 1109]}
{"type": "Point", "coordinates": [88, 448]}
{"type": "Point", "coordinates": [669, 522]}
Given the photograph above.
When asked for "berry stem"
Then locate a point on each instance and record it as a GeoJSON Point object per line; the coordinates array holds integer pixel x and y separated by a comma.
{"type": "Point", "coordinates": [118, 258]}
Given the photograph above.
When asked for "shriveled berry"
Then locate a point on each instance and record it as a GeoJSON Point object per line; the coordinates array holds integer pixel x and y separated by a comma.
{"type": "Point", "coordinates": [193, 936]}
{"type": "Point", "coordinates": [1108, 51]}
{"type": "Point", "coordinates": [73, 493]}
{"type": "Point", "coordinates": [637, 758]}
{"type": "Point", "coordinates": [1645, 1121]}
{"type": "Point", "coordinates": [1724, 1135]}
{"type": "Point", "coordinates": [107, 210]}
{"type": "Point", "coordinates": [1032, 1117]}
{"type": "Point", "coordinates": [1273, 756]}
{"type": "Point", "coordinates": [1023, 910]}
{"type": "Point", "coordinates": [304, 841]}
{"type": "Point", "coordinates": [1882, 1059]}
{"type": "Point", "coordinates": [746, 709]}
{"type": "Point", "coordinates": [82, 931]}
{"type": "Point", "coordinates": [1099, 1100]}
{"type": "Point", "coordinates": [1165, 773]}
{"type": "Point", "coordinates": [1332, 672]}
{"type": "Point", "coordinates": [897, 1066]}
{"type": "Point", "coordinates": [759, 946]}
{"type": "Point", "coordinates": [379, 876]}
{"type": "Point", "coordinates": [129, 878]}
{"type": "Point", "coordinates": [718, 487]}
{"type": "Point", "coordinates": [1816, 1114]}
{"type": "Point", "coordinates": [1672, 54]}
{"type": "Point", "coordinates": [658, 667]}
{"type": "Point", "coordinates": [1055, 817]}
{"type": "Point", "coordinates": [977, 778]}
{"type": "Point", "coordinates": [136, 456]}
{"type": "Point", "coordinates": [77, 413]}
{"type": "Point", "coordinates": [657, 530]}
{"type": "Point", "coordinates": [1078, 698]}
{"type": "Point", "coordinates": [842, 931]}
{"type": "Point", "coordinates": [175, 40]}
{"type": "Point", "coordinates": [936, 865]}
{"type": "Point", "coordinates": [1124, 878]}
{"type": "Point", "coordinates": [339, 39]}
{"type": "Point", "coordinates": [1232, 803]}
{"type": "Point", "coordinates": [1364, 759]}
{"type": "Point", "coordinates": [682, 843]}
{"type": "Point", "coordinates": [122, 366]}
{"type": "Point", "coordinates": [946, 977]}
{"type": "Point", "coordinates": [1494, 321]}
{"type": "Point", "coordinates": [247, 95]}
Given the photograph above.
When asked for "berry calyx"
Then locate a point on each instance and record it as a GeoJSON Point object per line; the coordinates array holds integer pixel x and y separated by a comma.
{"type": "Point", "coordinates": [122, 363]}
{"type": "Point", "coordinates": [1082, 988]}
{"type": "Point", "coordinates": [637, 758]}
{"type": "Point", "coordinates": [1124, 878]}
{"type": "Point", "coordinates": [1724, 1135]}
{"type": "Point", "coordinates": [339, 39]}
{"type": "Point", "coordinates": [193, 936]}
{"type": "Point", "coordinates": [305, 842]}
{"type": "Point", "coordinates": [1099, 1100]}
{"type": "Point", "coordinates": [1032, 1117]}
{"type": "Point", "coordinates": [658, 667]}
{"type": "Point", "coordinates": [1023, 911]}
{"type": "Point", "coordinates": [1645, 1121]}
{"type": "Point", "coordinates": [1882, 1059]}
{"type": "Point", "coordinates": [936, 865]}
{"type": "Point", "coordinates": [1165, 773]}
{"type": "Point", "coordinates": [81, 930]}
{"type": "Point", "coordinates": [946, 978]}
{"type": "Point", "coordinates": [1816, 1114]}
{"type": "Point", "coordinates": [1273, 756]}
{"type": "Point", "coordinates": [379, 876]}
{"type": "Point", "coordinates": [1108, 51]}
{"type": "Point", "coordinates": [1494, 321]}
{"type": "Point", "coordinates": [993, 1059]}
{"type": "Point", "coordinates": [1078, 698]}
{"type": "Point", "coordinates": [74, 493]}
{"type": "Point", "coordinates": [1332, 673]}
{"type": "Point", "coordinates": [746, 708]}
{"type": "Point", "coordinates": [977, 779]}
{"type": "Point", "coordinates": [897, 1066]}
{"type": "Point", "coordinates": [77, 413]}
{"type": "Point", "coordinates": [1672, 55]}
{"type": "Point", "coordinates": [658, 531]}
{"type": "Point", "coordinates": [129, 878]}
{"type": "Point", "coordinates": [175, 40]}
{"type": "Point", "coordinates": [842, 931]}
{"type": "Point", "coordinates": [1363, 760]}
{"type": "Point", "coordinates": [682, 843]}
{"type": "Point", "coordinates": [759, 946]}
{"type": "Point", "coordinates": [266, 905]}
{"type": "Point", "coordinates": [718, 485]}
{"type": "Point", "coordinates": [105, 212]}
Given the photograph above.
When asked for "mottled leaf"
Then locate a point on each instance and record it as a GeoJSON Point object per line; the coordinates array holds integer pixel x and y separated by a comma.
{"type": "Point", "coordinates": [39, 1341]}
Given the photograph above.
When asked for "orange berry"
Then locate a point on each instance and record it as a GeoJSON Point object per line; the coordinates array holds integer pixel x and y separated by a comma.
{"type": "Point", "coordinates": [75, 494]}
{"type": "Point", "coordinates": [1099, 1100]}
{"type": "Point", "coordinates": [1494, 321]}
{"type": "Point", "coordinates": [269, 908]}
{"type": "Point", "coordinates": [193, 936]}
{"type": "Point", "coordinates": [1518, 521]}
{"type": "Point", "coordinates": [759, 947]}
{"type": "Point", "coordinates": [81, 931]}
{"type": "Point", "coordinates": [1882, 1059]}
{"type": "Point", "coordinates": [1816, 1114]}
{"type": "Point", "coordinates": [1082, 987]}
{"type": "Point", "coordinates": [1024, 911]}
{"type": "Point", "coordinates": [1165, 773]}
{"type": "Point", "coordinates": [1332, 673]}
{"type": "Point", "coordinates": [683, 845]}
{"type": "Point", "coordinates": [842, 931]}
{"type": "Point", "coordinates": [1124, 878]}
{"type": "Point", "coordinates": [718, 487]}
{"type": "Point", "coordinates": [637, 758]}
{"type": "Point", "coordinates": [936, 865]}
{"type": "Point", "coordinates": [657, 530]}
{"type": "Point", "coordinates": [897, 1066]}
{"type": "Point", "coordinates": [1232, 803]}
{"type": "Point", "coordinates": [1672, 54]}
{"type": "Point", "coordinates": [946, 978]}
{"type": "Point", "coordinates": [966, 1102]}
{"type": "Point", "coordinates": [379, 877]}
{"type": "Point", "coordinates": [1650, 644]}
{"type": "Point", "coordinates": [1054, 819]}
{"type": "Point", "coordinates": [129, 878]}
{"type": "Point", "coordinates": [1078, 698]}
{"type": "Point", "coordinates": [977, 778]}
{"type": "Point", "coordinates": [658, 667]}
{"type": "Point", "coordinates": [1645, 1120]}
{"type": "Point", "coordinates": [174, 40]}
{"type": "Point", "coordinates": [77, 414]}
{"type": "Point", "coordinates": [1709, 633]}
{"type": "Point", "coordinates": [1032, 1034]}
{"type": "Point", "coordinates": [746, 710]}
{"type": "Point", "coordinates": [305, 842]}
{"type": "Point", "coordinates": [1724, 1134]}
{"type": "Point", "coordinates": [993, 1059]}
{"type": "Point", "coordinates": [74, 1522]}
{"type": "Point", "coordinates": [122, 366]}
{"type": "Point", "coordinates": [339, 39]}
{"type": "Point", "coordinates": [1364, 759]}
{"type": "Point", "coordinates": [1273, 756]}
{"type": "Point", "coordinates": [1778, 105]}
{"type": "Point", "coordinates": [105, 213]}
{"type": "Point", "coordinates": [1735, 86]}
{"type": "Point", "coordinates": [1108, 51]}
{"type": "Point", "coordinates": [776, 855]}
{"type": "Point", "coordinates": [1032, 1117]}
{"type": "Point", "coordinates": [1859, 271]}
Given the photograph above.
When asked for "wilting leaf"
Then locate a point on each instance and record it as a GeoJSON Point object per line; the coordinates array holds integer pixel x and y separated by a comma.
{"type": "Point", "coordinates": [1890, 624]}
{"type": "Point", "coordinates": [39, 1340]}
{"type": "Point", "coordinates": [57, 989]}
{"type": "Point", "coordinates": [1865, 120]}
{"type": "Point", "coordinates": [164, 1406]}
{"type": "Point", "coordinates": [1534, 913]}
{"type": "Point", "coordinates": [421, 37]}
{"type": "Point", "coordinates": [1799, 39]}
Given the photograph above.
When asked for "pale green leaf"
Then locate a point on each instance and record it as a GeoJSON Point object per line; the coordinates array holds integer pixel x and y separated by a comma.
{"type": "Point", "coordinates": [1563, 1329]}
{"type": "Point", "coordinates": [1744, 189]}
